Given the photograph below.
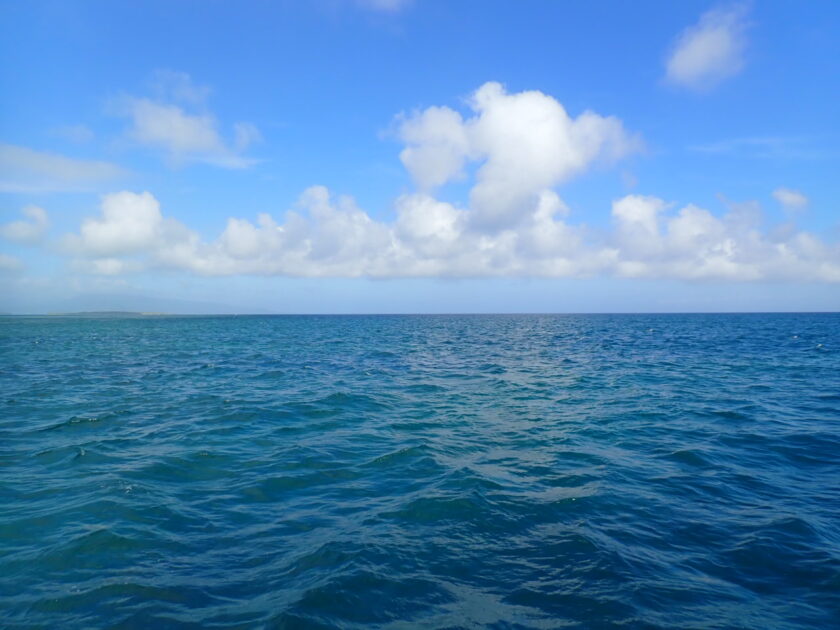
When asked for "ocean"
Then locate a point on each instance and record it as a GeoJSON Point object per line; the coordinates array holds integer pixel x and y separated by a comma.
{"type": "Point", "coordinates": [504, 471]}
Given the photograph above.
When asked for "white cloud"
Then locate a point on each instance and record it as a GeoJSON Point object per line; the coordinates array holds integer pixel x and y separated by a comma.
{"type": "Point", "coordinates": [327, 236]}
{"type": "Point", "coordinates": [25, 170]}
{"type": "Point", "coordinates": [184, 136]}
{"type": "Point", "coordinates": [710, 51]}
{"type": "Point", "coordinates": [244, 135]}
{"type": "Point", "coordinates": [178, 87]}
{"type": "Point", "coordinates": [526, 144]}
{"type": "Point", "coordinates": [129, 224]}
{"type": "Point", "coordinates": [790, 199]}
{"type": "Point", "coordinates": [637, 219]}
{"type": "Point", "coordinates": [438, 146]}
{"type": "Point", "coordinates": [28, 232]}
{"type": "Point", "coordinates": [516, 224]}
{"type": "Point", "coordinates": [695, 244]}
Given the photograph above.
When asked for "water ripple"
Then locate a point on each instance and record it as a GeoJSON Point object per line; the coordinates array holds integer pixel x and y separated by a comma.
{"type": "Point", "coordinates": [413, 471]}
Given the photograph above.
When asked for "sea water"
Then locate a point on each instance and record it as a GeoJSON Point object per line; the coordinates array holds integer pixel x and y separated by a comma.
{"type": "Point", "coordinates": [535, 471]}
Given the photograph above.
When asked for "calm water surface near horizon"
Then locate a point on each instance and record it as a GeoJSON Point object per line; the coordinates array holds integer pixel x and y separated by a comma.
{"type": "Point", "coordinates": [507, 471]}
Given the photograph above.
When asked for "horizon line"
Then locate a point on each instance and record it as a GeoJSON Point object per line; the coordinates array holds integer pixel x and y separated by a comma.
{"type": "Point", "coordinates": [118, 313]}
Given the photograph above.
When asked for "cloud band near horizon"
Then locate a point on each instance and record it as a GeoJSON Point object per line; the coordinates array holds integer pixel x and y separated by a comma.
{"type": "Point", "coordinates": [524, 146]}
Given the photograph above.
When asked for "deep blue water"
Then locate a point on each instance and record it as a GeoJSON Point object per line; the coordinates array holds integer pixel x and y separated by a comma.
{"type": "Point", "coordinates": [635, 471]}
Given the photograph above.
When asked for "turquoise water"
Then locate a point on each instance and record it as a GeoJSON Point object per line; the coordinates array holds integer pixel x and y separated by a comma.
{"type": "Point", "coordinates": [636, 471]}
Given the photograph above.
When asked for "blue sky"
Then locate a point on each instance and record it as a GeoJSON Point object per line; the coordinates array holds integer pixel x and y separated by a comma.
{"type": "Point", "coordinates": [419, 156]}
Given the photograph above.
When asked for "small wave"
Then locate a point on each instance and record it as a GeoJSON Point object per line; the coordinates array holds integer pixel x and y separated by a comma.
{"type": "Point", "coordinates": [692, 457]}
{"type": "Point", "coordinates": [441, 472]}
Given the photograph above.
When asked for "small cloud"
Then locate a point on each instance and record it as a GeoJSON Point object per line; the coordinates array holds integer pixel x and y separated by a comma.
{"type": "Point", "coordinates": [177, 124]}
{"type": "Point", "coordinates": [28, 232]}
{"type": "Point", "coordinates": [77, 134]}
{"type": "Point", "coordinates": [790, 199]}
{"type": "Point", "coordinates": [129, 223]}
{"type": "Point", "coordinates": [244, 135]}
{"type": "Point", "coordinates": [25, 170]}
{"type": "Point", "coordinates": [710, 51]}
{"type": "Point", "coordinates": [170, 85]}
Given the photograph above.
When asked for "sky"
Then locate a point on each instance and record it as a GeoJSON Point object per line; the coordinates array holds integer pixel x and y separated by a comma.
{"type": "Point", "coordinates": [441, 156]}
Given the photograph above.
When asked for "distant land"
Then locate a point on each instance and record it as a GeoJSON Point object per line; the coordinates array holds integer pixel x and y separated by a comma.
{"type": "Point", "coordinates": [105, 314]}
